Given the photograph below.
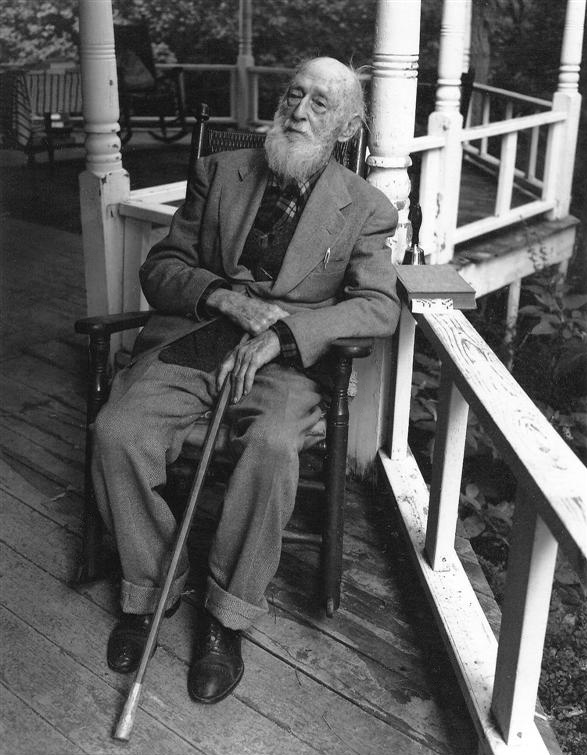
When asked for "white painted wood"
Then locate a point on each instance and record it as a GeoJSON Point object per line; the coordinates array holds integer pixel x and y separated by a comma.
{"type": "Point", "coordinates": [511, 319]}
{"type": "Point", "coordinates": [393, 86]}
{"type": "Point", "coordinates": [467, 36]}
{"type": "Point", "coordinates": [99, 87]}
{"type": "Point", "coordinates": [104, 183]}
{"type": "Point", "coordinates": [509, 94]}
{"type": "Point", "coordinates": [468, 637]}
{"type": "Point", "coordinates": [515, 215]}
{"type": "Point", "coordinates": [369, 410]}
{"type": "Point", "coordinates": [393, 110]}
{"type": "Point", "coordinates": [505, 181]}
{"type": "Point", "coordinates": [171, 192]}
{"type": "Point", "coordinates": [495, 272]}
{"type": "Point", "coordinates": [533, 154]}
{"type": "Point", "coordinates": [530, 573]}
{"type": "Point", "coordinates": [447, 467]}
{"type": "Point", "coordinates": [397, 442]}
{"type": "Point", "coordinates": [543, 463]}
{"type": "Point", "coordinates": [485, 119]}
{"type": "Point", "coordinates": [244, 62]}
{"type": "Point", "coordinates": [157, 214]}
{"type": "Point", "coordinates": [437, 234]}
{"type": "Point", "coordinates": [522, 122]}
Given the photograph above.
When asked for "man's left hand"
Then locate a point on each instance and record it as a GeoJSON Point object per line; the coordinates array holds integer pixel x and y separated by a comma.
{"type": "Point", "coordinates": [243, 362]}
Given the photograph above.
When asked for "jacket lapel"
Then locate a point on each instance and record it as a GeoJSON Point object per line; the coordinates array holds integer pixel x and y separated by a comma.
{"type": "Point", "coordinates": [317, 229]}
{"type": "Point", "coordinates": [239, 202]}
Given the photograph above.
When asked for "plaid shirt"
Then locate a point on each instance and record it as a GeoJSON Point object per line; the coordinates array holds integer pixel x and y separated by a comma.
{"type": "Point", "coordinates": [278, 207]}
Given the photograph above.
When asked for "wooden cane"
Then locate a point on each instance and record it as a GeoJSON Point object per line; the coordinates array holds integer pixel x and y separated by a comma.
{"type": "Point", "coordinates": [127, 717]}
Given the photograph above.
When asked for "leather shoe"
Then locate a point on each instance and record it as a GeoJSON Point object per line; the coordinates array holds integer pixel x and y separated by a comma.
{"type": "Point", "coordinates": [218, 665]}
{"type": "Point", "coordinates": [128, 639]}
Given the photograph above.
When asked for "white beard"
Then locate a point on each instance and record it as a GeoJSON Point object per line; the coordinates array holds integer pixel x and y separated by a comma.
{"type": "Point", "coordinates": [292, 157]}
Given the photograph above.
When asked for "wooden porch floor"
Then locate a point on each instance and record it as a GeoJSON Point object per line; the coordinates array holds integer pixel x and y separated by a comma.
{"type": "Point", "coordinates": [374, 679]}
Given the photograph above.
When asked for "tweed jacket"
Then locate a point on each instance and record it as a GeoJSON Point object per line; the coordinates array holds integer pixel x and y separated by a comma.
{"type": "Point", "coordinates": [336, 279]}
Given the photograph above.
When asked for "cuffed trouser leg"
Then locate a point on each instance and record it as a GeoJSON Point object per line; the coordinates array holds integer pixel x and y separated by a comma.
{"type": "Point", "coordinates": [138, 432]}
{"type": "Point", "coordinates": [268, 430]}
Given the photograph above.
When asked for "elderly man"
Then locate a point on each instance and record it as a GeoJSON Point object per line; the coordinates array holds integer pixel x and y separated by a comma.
{"type": "Point", "coordinates": [288, 246]}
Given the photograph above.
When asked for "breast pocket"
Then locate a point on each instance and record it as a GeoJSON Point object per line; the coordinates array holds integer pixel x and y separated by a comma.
{"type": "Point", "coordinates": [322, 283]}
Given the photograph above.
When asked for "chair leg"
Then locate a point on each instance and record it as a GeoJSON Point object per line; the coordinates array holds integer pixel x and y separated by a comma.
{"type": "Point", "coordinates": [336, 440]}
{"type": "Point", "coordinates": [90, 568]}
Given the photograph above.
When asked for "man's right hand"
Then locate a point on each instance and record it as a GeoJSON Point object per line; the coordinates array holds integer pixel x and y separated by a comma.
{"type": "Point", "coordinates": [253, 315]}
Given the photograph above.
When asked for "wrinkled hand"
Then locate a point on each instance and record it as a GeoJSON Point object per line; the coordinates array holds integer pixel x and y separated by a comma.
{"type": "Point", "coordinates": [243, 362]}
{"type": "Point", "coordinates": [253, 315]}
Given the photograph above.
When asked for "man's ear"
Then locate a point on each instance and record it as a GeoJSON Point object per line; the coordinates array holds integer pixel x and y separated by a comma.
{"type": "Point", "coordinates": [350, 129]}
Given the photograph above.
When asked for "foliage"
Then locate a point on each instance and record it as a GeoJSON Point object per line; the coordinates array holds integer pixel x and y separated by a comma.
{"type": "Point", "coordinates": [552, 356]}
{"type": "Point", "coordinates": [522, 30]}
{"type": "Point", "coordinates": [33, 32]}
{"type": "Point", "coordinates": [563, 682]}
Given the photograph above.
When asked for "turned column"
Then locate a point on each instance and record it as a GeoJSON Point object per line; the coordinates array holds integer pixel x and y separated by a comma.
{"type": "Point", "coordinates": [244, 61]}
{"type": "Point", "coordinates": [560, 160]}
{"type": "Point", "coordinates": [441, 169]}
{"type": "Point", "coordinates": [104, 183]}
{"type": "Point", "coordinates": [393, 110]}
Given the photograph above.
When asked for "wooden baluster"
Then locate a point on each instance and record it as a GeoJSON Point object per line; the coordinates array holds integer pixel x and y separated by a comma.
{"type": "Point", "coordinates": [530, 573]}
{"type": "Point", "coordinates": [507, 166]}
{"type": "Point", "coordinates": [447, 467]}
{"type": "Point", "coordinates": [401, 390]}
{"type": "Point", "coordinates": [533, 153]}
{"type": "Point", "coordinates": [245, 60]}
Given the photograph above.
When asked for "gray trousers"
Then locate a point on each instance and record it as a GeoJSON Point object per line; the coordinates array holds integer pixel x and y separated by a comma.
{"type": "Point", "coordinates": [142, 428]}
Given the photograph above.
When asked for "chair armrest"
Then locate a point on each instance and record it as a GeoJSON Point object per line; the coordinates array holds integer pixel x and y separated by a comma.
{"type": "Point", "coordinates": [352, 348]}
{"type": "Point", "coordinates": [105, 325]}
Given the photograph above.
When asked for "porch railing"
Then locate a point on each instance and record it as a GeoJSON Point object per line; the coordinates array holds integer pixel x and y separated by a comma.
{"type": "Point", "coordinates": [519, 140]}
{"type": "Point", "coordinates": [499, 678]}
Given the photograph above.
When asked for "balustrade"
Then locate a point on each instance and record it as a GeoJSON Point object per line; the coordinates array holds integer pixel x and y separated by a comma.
{"type": "Point", "coordinates": [499, 678]}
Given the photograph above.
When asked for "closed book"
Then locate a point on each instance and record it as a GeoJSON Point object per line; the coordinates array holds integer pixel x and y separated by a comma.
{"type": "Point", "coordinates": [434, 288]}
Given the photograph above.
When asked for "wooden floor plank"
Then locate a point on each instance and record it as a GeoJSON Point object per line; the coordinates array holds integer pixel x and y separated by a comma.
{"type": "Point", "coordinates": [25, 732]}
{"type": "Point", "coordinates": [305, 713]}
{"type": "Point", "coordinates": [390, 697]}
{"type": "Point", "coordinates": [77, 703]}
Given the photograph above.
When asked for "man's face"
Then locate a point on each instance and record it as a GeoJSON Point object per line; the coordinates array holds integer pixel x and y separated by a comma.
{"type": "Point", "coordinates": [308, 121]}
{"type": "Point", "coordinates": [311, 109]}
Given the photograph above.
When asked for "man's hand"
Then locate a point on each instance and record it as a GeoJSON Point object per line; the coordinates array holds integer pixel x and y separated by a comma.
{"type": "Point", "coordinates": [253, 315]}
{"type": "Point", "coordinates": [243, 362]}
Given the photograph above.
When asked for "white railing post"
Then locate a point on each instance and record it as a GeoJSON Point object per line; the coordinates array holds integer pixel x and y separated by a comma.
{"type": "Point", "coordinates": [393, 106]}
{"type": "Point", "coordinates": [562, 145]}
{"type": "Point", "coordinates": [530, 573]}
{"type": "Point", "coordinates": [396, 444]}
{"type": "Point", "coordinates": [441, 176]}
{"type": "Point", "coordinates": [104, 183]}
{"type": "Point", "coordinates": [244, 62]}
{"type": "Point", "coordinates": [447, 467]}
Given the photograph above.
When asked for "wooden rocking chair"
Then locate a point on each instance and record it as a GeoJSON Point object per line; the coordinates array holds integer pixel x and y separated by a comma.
{"type": "Point", "coordinates": [328, 439]}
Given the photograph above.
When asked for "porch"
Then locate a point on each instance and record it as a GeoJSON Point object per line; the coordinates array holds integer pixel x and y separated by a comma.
{"type": "Point", "coordinates": [373, 679]}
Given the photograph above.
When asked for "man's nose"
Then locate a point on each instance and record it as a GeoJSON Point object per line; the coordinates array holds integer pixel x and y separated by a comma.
{"type": "Point", "coordinates": [301, 109]}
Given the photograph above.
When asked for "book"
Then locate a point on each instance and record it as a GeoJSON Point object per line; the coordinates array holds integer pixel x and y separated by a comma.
{"type": "Point", "coordinates": [434, 288]}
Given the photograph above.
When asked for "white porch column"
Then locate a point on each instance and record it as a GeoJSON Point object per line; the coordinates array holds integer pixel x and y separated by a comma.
{"type": "Point", "coordinates": [561, 157]}
{"type": "Point", "coordinates": [467, 38]}
{"type": "Point", "coordinates": [104, 183]}
{"type": "Point", "coordinates": [441, 170]}
{"type": "Point", "coordinates": [393, 108]}
{"type": "Point", "coordinates": [244, 61]}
